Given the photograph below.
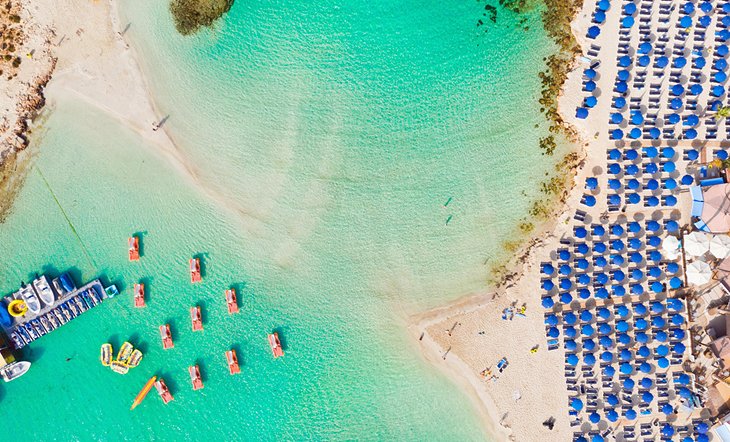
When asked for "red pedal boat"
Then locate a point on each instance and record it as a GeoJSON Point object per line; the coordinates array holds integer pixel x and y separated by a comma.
{"type": "Point", "coordinates": [166, 337]}
{"type": "Point", "coordinates": [133, 243]}
{"type": "Point", "coordinates": [275, 345]}
{"type": "Point", "coordinates": [163, 391]}
{"type": "Point", "coordinates": [231, 301]}
{"type": "Point", "coordinates": [196, 318]}
{"type": "Point", "coordinates": [195, 270]}
{"type": "Point", "coordinates": [232, 360]}
{"type": "Point", "coordinates": [195, 377]}
{"type": "Point", "coordinates": [139, 295]}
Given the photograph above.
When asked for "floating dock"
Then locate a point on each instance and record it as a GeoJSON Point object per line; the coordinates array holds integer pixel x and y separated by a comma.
{"type": "Point", "coordinates": [68, 303]}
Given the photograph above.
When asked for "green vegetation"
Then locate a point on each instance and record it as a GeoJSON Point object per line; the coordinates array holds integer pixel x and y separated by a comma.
{"type": "Point", "coordinates": [723, 112]}
{"type": "Point", "coordinates": [191, 15]}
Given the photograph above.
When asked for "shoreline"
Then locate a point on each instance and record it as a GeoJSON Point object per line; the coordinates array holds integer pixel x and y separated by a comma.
{"type": "Point", "coordinates": [453, 353]}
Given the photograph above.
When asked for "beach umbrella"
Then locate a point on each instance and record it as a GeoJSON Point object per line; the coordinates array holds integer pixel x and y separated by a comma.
{"type": "Point", "coordinates": [654, 272]}
{"type": "Point", "coordinates": [687, 180]}
{"type": "Point", "coordinates": [614, 184]}
{"type": "Point", "coordinates": [662, 362]}
{"type": "Point", "coordinates": [684, 392]}
{"type": "Point", "coordinates": [644, 60]}
{"type": "Point", "coordinates": [551, 319]}
{"type": "Point", "coordinates": [698, 273]}
{"type": "Point", "coordinates": [632, 154]}
{"type": "Point", "coordinates": [647, 397]}
{"type": "Point", "coordinates": [644, 352]}
{"type": "Point", "coordinates": [658, 322]}
{"type": "Point", "coordinates": [622, 326]}
{"type": "Point", "coordinates": [601, 278]}
{"type": "Point", "coordinates": [582, 263]}
{"type": "Point", "coordinates": [679, 348]}
{"type": "Point", "coordinates": [616, 118]}
{"type": "Point", "coordinates": [564, 255]}
{"type": "Point", "coordinates": [598, 230]}
{"type": "Point", "coordinates": [547, 284]}
{"type": "Point", "coordinates": [640, 309]}
{"type": "Point", "coordinates": [688, 8]}
{"type": "Point", "coordinates": [670, 200]}
{"type": "Point", "coordinates": [565, 284]}
{"type": "Point", "coordinates": [634, 227]}
{"type": "Point", "coordinates": [547, 302]}
{"type": "Point", "coordinates": [655, 255]}
{"type": "Point", "coordinates": [623, 75]}
{"type": "Point", "coordinates": [584, 293]}
{"type": "Point", "coordinates": [651, 152]}
{"type": "Point", "coordinates": [576, 404]}
{"type": "Point", "coordinates": [569, 318]}
{"type": "Point", "coordinates": [667, 409]}
{"type": "Point", "coordinates": [572, 359]}
{"type": "Point", "coordinates": [597, 438]}
{"type": "Point", "coordinates": [722, 50]}
{"type": "Point", "coordinates": [582, 112]}
{"type": "Point", "coordinates": [677, 89]}
{"type": "Point", "coordinates": [675, 103]}
{"type": "Point", "coordinates": [702, 428]}
{"type": "Point", "coordinates": [590, 87]}
{"type": "Point", "coordinates": [671, 184]}
{"type": "Point", "coordinates": [590, 73]}
{"type": "Point", "coordinates": [662, 62]}
{"type": "Point", "coordinates": [670, 243]}
{"type": "Point", "coordinates": [696, 243]}
{"type": "Point", "coordinates": [591, 101]}
{"type": "Point", "coordinates": [662, 350]}
{"type": "Point", "coordinates": [667, 430]}
{"type": "Point", "coordinates": [629, 383]}
{"type": "Point", "coordinates": [566, 298]}
{"type": "Point", "coordinates": [553, 332]}
{"type": "Point", "coordinates": [632, 169]}
{"type": "Point", "coordinates": [637, 274]}
{"type": "Point", "coordinates": [589, 345]}
{"type": "Point", "coordinates": [642, 338]}
{"type": "Point", "coordinates": [627, 22]}
{"type": "Point", "coordinates": [607, 356]}
{"type": "Point", "coordinates": [661, 336]}
{"type": "Point", "coordinates": [657, 287]}
{"type": "Point", "coordinates": [702, 438]}
{"type": "Point", "coordinates": [624, 61]}
{"type": "Point", "coordinates": [570, 345]}
{"type": "Point", "coordinates": [594, 31]}
{"type": "Point", "coordinates": [720, 77]}
{"type": "Point", "coordinates": [609, 371]}
{"type": "Point", "coordinates": [685, 22]}
{"type": "Point", "coordinates": [695, 89]}
{"type": "Point", "coordinates": [677, 319]}
{"type": "Point", "coordinates": [618, 276]}
{"type": "Point", "coordinates": [587, 330]}
{"type": "Point", "coordinates": [652, 226]}
{"type": "Point", "coordinates": [611, 415]}
{"type": "Point", "coordinates": [589, 359]}
{"type": "Point", "coordinates": [641, 324]}
{"type": "Point", "coordinates": [581, 439]}
{"type": "Point", "coordinates": [669, 166]}
{"type": "Point", "coordinates": [635, 133]}
{"type": "Point", "coordinates": [721, 64]}
{"type": "Point", "coordinates": [614, 199]}
{"type": "Point", "coordinates": [626, 355]}
{"type": "Point", "coordinates": [630, 414]}
{"type": "Point", "coordinates": [602, 293]}
{"type": "Point", "coordinates": [633, 198]}
{"type": "Point", "coordinates": [636, 257]}
{"type": "Point", "coordinates": [680, 62]}
{"type": "Point", "coordinates": [678, 333]}
{"type": "Point", "coordinates": [637, 289]}
{"type": "Point", "coordinates": [565, 269]}
{"type": "Point", "coordinates": [718, 91]}
{"type": "Point", "coordinates": [683, 379]}
{"type": "Point", "coordinates": [622, 311]}
{"type": "Point", "coordinates": [700, 62]}
{"type": "Point", "coordinates": [692, 154]}
{"type": "Point", "coordinates": [668, 153]}
{"type": "Point", "coordinates": [720, 246]}
{"type": "Point", "coordinates": [580, 232]}
{"type": "Point", "coordinates": [645, 48]}
{"type": "Point", "coordinates": [617, 245]}
{"type": "Point", "coordinates": [654, 133]}
{"type": "Point", "coordinates": [612, 399]}
{"type": "Point", "coordinates": [675, 283]}
{"type": "Point", "coordinates": [626, 368]}
{"type": "Point", "coordinates": [652, 201]}
{"type": "Point", "coordinates": [617, 230]}
{"type": "Point", "coordinates": [621, 87]}
{"type": "Point", "coordinates": [605, 341]}
{"type": "Point", "coordinates": [674, 304]}
{"type": "Point", "coordinates": [591, 183]}
{"type": "Point", "coordinates": [656, 307]}
{"type": "Point", "coordinates": [582, 248]}
{"type": "Point", "coordinates": [586, 316]}
{"type": "Point", "coordinates": [636, 118]}
{"type": "Point", "coordinates": [614, 168]}
{"type": "Point", "coordinates": [569, 332]}
{"type": "Point", "coordinates": [619, 102]}
{"type": "Point", "coordinates": [594, 418]}
{"type": "Point", "coordinates": [604, 329]}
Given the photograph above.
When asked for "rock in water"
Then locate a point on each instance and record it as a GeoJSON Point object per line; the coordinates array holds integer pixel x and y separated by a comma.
{"type": "Point", "coordinates": [191, 15]}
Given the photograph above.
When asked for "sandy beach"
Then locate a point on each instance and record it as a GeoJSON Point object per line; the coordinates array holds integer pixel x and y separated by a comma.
{"type": "Point", "coordinates": [469, 336]}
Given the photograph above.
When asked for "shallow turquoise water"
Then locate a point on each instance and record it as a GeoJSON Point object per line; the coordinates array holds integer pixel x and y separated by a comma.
{"type": "Point", "coordinates": [333, 136]}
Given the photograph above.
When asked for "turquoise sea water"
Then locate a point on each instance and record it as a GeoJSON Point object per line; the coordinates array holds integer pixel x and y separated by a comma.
{"type": "Point", "coordinates": [330, 136]}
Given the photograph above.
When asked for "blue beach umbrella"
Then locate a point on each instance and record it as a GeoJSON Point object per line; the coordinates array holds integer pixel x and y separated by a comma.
{"type": "Point", "coordinates": [590, 86]}
{"type": "Point", "coordinates": [643, 351]}
{"type": "Point", "coordinates": [667, 409]}
{"type": "Point", "coordinates": [614, 168]}
{"type": "Point", "coordinates": [677, 319]}
{"type": "Point", "coordinates": [675, 283]}
{"type": "Point", "coordinates": [657, 287]}
{"type": "Point", "coordinates": [662, 362]}
{"type": "Point", "coordinates": [645, 367]}
{"type": "Point", "coordinates": [614, 184]}
{"type": "Point", "coordinates": [584, 293]}
{"type": "Point", "coordinates": [619, 276]}
{"type": "Point", "coordinates": [624, 61]}
{"type": "Point", "coordinates": [670, 184]}
{"type": "Point", "coordinates": [679, 348]}
{"type": "Point", "coordinates": [582, 263]}
{"type": "Point", "coordinates": [633, 198]}
{"type": "Point", "coordinates": [636, 257]}
{"type": "Point", "coordinates": [591, 183]}
{"type": "Point", "coordinates": [720, 77]}
{"type": "Point", "coordinates": [674, 303]}
{"type": "Point", "coordinates": [590, 73]}
{"type": "Point", "coordinates": [632, 169]}
{"type": "Point", "coordinates": [565, 284]}
{"type": "Point", "coordinates": [640, 309]}
{"type": "Point", "coordinates": [722, 50]}
{"type": "Point", "coordinates": [599, 230]}
{"type": "Point", "coordinates": [654, 272]}
{"type": "Point", "coordinates": [667, 430]}
{"type": "Point", "coordinates": [626, 355]}
{"type": "Point", "coordinates": [586, 316]}
{"type": "Point", "coordinates": [565, 270]}
{"type": "Point", "coordinates": [580, 232]}
{"type": "Point", "coordinates": [607, 356]}
{"type": "Point", "coordinates": [594, 418]}
{"type": "Point", "coordinates": [630, 414]}
{"type": "Point", "coordinates": [570, 345]}
{"type": "Point", "coordinates": [589, 345]}
{"type": "Point", "coordinates": [547, 302]}
{"type": "Point", "coordinates": [564, 255]}
{"type": "Point", "coordinates": [617, 134]}
{"type": "Point", "coordinates": [658, 322]}
{"type": "Point", "coordinates": [623, 75]}
{"type": "Point", "coordinates": [570, 318]}
{"type": "Point", "coordinates": [644, 60]}
{"type": "Point", "coordinates": [690, 134]}
{"type": "Point", "coordinates": [628, 382]}
{"type": "Point", "coordinates": [675, 103]}
{"type": "Point", "coordinates": [669, 166]}
{"type": "Point", "coordinates": [611, 415]}
{"type": "Point", "coordinates": [634, 227]}
{"type": "Point", "coordinates": [581, 113]}
{"type": "Point", "coordinates": [591, 101]}
{"type": "Point", "coordinates": [637, 118]}
{"type": "Point", "coordinates": [589, 359]}
{"type": "Point", "coordinates": [547, 285]}
{"type": "Point", "coordinates": [604, 329]}
{"type": "Point", "coordinates": [685, 392]}
{"type": "Point", "coordinates": [706, 7]}
{"type": "Point", "coordinates": [637, 289]}
{"type": "Point", "coordinates": [576, 404]}
{"type": "Point", "coordinates": [635, 133]}
{"type": "Point", "coordinates": [622, 326]}
{"type": "Point", "coordinates": [702, 428]}
{"type": "Point", "coordinates": [652, 201]}
{"type": "Point", "coordinates": [695, 89]}
{"type": "Point", "coordinates": [680, 62]}
{"type": "Point", "coordinates": [569, 332]}
{"type": "Point", "coordinates": [677, 89]}
{"type": "Point", "coordinates": [678, 333]}
{"type": "Point", "coordinates": [704, 21]}
{"type": "Point", "coordinates": [553, 332]}
{"type": "Point", "coordinates": [652, 184]}
{"type": "Point", "coordinates": [642, 337]}
{"type": "Point", "coordinates": [646, 383]}
{"type": "Point", "coordinates": [645, 48]}
{"type": "Point", "coordinates": [654, 133]}
{"type": "Point", "coordinates": [600, 261]}
{"type": "Point", "coordinates": [589, 200]}
{"type": "Point", "coordinates": [635, 243]}
{"type": "Point", "coordinates": [622, 311]}
{"type": "Point", "coordinates": [662, 350]}
{"type": "Point", "coordinates": [670, 200]}
{"type": "Point", "coordinates": [684, 22]}
{"type": "Point", "coordinates": [551, 319]}
{"type": "Point", "coordinates": [617, 245]}
{"type": "Point", "coordinates": [692, 155]}
{"type": "Point", "coordinates": [582, 248]}
{"type": "Point", "coordinates": [621, 87]}
{"type": "Point", "coordinates": [683, 379]}
{"type": "Point", "coordinates": [641, 324]}
{"type": "Point", "coordinates": [606, 342]}
{"type": "Point", "coordinates": [572, 359]}
{"type": "Point", "coordinates": [566, 298]}
{"type": "Point", "coordinates": [688, 8]}
{"type": "Point", "coordinates": [601, 278]}
{"type": "Point", "coordinates": [609, 371]}
{"type": "Point", "coordinates": [626, 368]}
{"type": "Point", "coordinates": [587, 330]}
{"type": "Point", "coordinates": [661, 336]}
{"type": "Point", "coordinates": [652, 226]}
{"type": "Point", "coordinates": [619, 102]}
{"type": "Point", "coordinates": [616, 118]}
{"type": "Point", "coordinates": [627, 22]}
{"type": "Point", "coordinates": [632, 154]}
{"type": "Point", "coordinates": [655, 255]}
{"type": "Point", "coordinates": [594, 31]}
{"type": "Point", "coordinates": [721, 154]}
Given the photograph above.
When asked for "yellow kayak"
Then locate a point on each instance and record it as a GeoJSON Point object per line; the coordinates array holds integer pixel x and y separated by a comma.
{"type": "Point", "coordinates": [143, 393]}
{"type": "Point", "coordinates": [106, 354]}
{"type": "Point", "coordinates": [125, 352]}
